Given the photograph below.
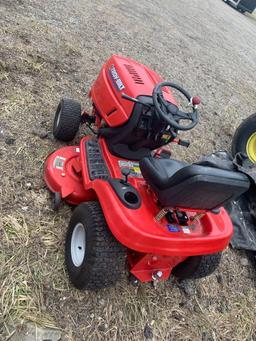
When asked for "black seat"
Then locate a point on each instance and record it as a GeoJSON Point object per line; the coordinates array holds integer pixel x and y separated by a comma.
{"type": "Point", "coordinates": [179, 184]}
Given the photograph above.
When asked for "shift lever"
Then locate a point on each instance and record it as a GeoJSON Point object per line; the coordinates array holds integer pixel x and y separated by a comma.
{"type": "Point", "coordinates": [126, 172]}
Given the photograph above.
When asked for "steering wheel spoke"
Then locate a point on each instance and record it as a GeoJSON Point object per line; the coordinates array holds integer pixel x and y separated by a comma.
{"type": "Point", "coordinates": [161, 99]}
{"type": "Point", "coordinates": [184, 115]}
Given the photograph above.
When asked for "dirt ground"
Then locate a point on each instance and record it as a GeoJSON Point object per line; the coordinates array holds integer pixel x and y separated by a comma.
{"type": "Point", "coordinates": [50, 49]}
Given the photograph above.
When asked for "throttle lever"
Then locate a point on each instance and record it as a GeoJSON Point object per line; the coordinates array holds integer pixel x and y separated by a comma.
{"type": "Point", "coordinates": [184, 143]}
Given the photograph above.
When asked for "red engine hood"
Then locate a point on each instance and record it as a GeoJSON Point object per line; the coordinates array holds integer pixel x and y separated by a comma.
{"type": "Point", "coordinates": [123, 75]}
{"type": "Point", "coordinates": [137, 79]}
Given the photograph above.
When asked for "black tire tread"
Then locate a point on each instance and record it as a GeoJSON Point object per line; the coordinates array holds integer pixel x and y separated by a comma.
{"type": "Point", "coordinates": [70, 120]}
{"type": "Point", "coordinates": [106, 262]}
{"type": "Point", "coordinates": [243, 132]}
{"type": "Point", "coordinates": [198, 266]}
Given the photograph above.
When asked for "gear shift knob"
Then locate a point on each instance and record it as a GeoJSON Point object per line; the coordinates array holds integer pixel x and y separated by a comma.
{"type": "Point", "coordinates": [196, 100]}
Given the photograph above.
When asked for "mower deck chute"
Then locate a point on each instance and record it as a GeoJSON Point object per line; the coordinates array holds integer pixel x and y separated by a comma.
{"type": "Point", "coordinates": [63, 174]}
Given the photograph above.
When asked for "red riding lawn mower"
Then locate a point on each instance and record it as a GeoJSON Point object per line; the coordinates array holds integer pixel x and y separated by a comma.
{"type": "Point", "coordinates": [137, 207]}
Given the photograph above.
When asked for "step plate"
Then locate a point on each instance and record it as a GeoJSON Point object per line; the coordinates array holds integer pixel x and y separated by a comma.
{"type": "Point", "coordinates": [96, 165]}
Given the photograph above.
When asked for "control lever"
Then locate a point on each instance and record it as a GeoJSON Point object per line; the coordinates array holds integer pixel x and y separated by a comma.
{"type": "Point", "coordinates": [135, 100]}
{"type": "Point", "coordinates": [184, 143]}
{"type": "Point", "coordinates": [163, 153]}
{"type": "Point", "coordinates": [126, 172]}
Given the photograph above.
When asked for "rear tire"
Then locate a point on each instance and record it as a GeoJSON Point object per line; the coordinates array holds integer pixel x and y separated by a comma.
{"type": "Point", "coordinates": [67, 119]}
{"type": "Point", "coordinates": [242, 135]}
{"type": "Point", "coordinates": [94, 258]}
{"type": "Point", "coordinates": [56, 201]}
{"type": "Point", "coordinates": [197, 266]}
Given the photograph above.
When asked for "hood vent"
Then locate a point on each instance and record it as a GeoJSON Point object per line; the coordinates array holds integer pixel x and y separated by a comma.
{"type": "Point", "coordinates": [135, 76]}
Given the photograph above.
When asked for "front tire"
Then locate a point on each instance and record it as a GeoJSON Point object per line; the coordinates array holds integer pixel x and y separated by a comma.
{"type": "Point", "coordinates": [94, 258]}
{"type": "Point", "coordinates": [197, 266]}
{"type": "Point", "coordinates": [67, 120]}
{"type": "Point", "coordinates": [244, 140]}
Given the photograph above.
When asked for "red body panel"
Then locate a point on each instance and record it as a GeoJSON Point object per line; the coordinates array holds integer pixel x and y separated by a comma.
{"type": "Point", "coordinates": [118, 75]}
{"type": "Point", "coordinates": [137, 229]}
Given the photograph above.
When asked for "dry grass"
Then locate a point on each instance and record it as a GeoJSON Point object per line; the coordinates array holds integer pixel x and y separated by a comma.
{"type": "Point", "coordinates": [51, 49]}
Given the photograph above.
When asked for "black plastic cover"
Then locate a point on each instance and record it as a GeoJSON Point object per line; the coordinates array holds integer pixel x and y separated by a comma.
{"type": "Point", "coordinates": [242, 213]}
{"type": "Point", "coordinates": [127, 194]}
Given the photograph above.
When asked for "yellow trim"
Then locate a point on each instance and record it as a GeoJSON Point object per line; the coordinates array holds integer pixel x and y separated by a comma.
{"type": "Point", "coordinates": [251, 147]}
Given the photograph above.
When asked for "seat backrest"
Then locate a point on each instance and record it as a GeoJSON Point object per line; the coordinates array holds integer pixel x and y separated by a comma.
{"type": "Point", "coordinates": [201, 187]}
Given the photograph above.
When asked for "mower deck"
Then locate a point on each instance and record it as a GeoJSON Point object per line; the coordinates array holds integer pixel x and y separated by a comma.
{"type": "Point", "coordinates": [82, 174]}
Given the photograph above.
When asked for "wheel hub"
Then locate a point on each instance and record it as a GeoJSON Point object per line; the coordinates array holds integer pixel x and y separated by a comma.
{"type": "Point", "coordinates": [78, 245]}
{"type": "Point", "coordinates": [58, 119]}
{"type": "Point", "coordinates": [251, 147]}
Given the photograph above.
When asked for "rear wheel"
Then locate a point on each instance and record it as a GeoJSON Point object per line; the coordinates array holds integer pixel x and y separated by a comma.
{"type": "Point", "coordinates": [197, 266]}
{"type": "Point", "coordinates": [244, 140]}
{"type": "Point", "coordinates": [94, 258]}
{"type": "Point", "coordinates": [67, 119]}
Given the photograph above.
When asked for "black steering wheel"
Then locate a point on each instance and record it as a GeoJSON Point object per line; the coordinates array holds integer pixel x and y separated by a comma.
{"type": "Point", "coordinates": [169, 112]}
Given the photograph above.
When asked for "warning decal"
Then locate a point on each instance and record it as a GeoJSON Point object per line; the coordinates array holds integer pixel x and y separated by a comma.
{"type": "Point", "coordinates": [59, 162]}
{"type": "Point", "coordinates": [133, 166]}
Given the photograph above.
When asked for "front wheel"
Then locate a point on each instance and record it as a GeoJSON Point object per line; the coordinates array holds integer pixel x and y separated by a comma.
{"type": "Point", "coordinates": [197, 266]}
{"type": "Point", "coordinates": [94, 258]}
{"type": "Point", "coordinates": [67, 120]}
{"type": "Point", "coordinates": [244, 140]}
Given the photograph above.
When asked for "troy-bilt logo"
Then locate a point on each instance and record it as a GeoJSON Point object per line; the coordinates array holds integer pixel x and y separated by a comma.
{"type": "Point", "coordinates": [116, 79]}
